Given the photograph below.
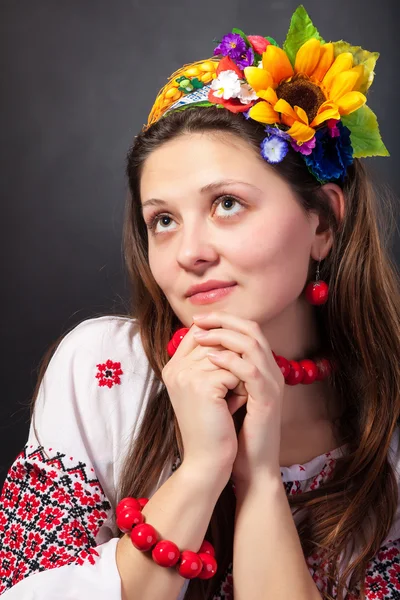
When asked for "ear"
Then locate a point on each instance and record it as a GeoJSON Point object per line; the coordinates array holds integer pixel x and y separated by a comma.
{"type": "Point", "coordinates": [323, 235]}
{"type": "Point", "coordinates": [336, 197]}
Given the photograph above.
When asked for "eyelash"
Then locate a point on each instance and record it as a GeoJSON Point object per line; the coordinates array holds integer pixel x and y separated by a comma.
{"type": "Point", "coordinates": [154, 219]}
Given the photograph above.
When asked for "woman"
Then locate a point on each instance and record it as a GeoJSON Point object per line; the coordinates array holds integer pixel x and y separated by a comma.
{"type": "Point", "coordinates": [273, 436]}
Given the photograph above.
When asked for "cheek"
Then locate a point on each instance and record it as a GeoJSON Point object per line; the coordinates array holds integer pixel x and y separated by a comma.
{"type": "Point", "coordinates": [274, 258]}
{"type": "Point", "coordinates": [160, 268]}
{"type": "Point", "coordinates": [281, 240]}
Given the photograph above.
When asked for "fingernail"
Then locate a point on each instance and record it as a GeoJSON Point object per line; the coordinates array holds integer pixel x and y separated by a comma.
{"type": "Point", "coordinates": [199, 334]}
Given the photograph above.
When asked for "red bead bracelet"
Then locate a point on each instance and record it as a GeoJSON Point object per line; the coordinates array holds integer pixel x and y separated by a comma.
{"type": "Point", "coordinates": [303, 371]}
{"type": "Point", "coordinates": [130, 519]}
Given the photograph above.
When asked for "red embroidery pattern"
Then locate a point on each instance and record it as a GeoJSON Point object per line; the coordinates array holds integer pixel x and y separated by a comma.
{"type": "Point", "coordinates": [50, 515]}
{"type": "Point", "coordinates": [108, 373]}
{"type": "Point", "coordinates": [383, 575]}
{"type": "Point", "coordinates": [324, 475]}
{"type": "Point", "coordinates": [226, 589]}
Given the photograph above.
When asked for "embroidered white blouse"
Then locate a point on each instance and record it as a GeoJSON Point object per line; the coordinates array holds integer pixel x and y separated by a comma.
{"type": "Point", "coordinates": [58, 534]}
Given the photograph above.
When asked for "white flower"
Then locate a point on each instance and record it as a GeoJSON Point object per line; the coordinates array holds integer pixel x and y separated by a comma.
{"type": "Point", "coordinates": [247, 94]}
{"type": "Point", "coordinates": [226, 85]}
{"type": "Point", "coordinates": [260, 65]}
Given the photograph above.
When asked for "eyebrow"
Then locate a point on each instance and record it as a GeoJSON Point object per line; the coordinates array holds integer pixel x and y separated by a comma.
{"type": "Point", "coordinates": [210, 187]}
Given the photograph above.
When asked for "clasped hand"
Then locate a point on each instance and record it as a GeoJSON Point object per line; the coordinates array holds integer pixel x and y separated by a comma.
{"type": "Point", "coordinates": [248, 356]}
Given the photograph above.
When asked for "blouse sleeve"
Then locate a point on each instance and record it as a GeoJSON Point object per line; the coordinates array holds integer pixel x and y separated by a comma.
{"type": "Point", "coordinates": [57, 529]}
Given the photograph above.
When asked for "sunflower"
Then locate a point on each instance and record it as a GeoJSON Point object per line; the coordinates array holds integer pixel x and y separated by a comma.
{"type": "Point", "coordinates": [318, 88]}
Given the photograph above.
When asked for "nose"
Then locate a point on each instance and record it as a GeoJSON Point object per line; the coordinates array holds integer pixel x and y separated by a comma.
{"type": "Point", "coordinates": [196, 246]}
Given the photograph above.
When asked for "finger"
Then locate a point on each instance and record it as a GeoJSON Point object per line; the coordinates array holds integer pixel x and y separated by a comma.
{"type": "Point", "coordinates": [223, 380]}
{"type": "Point", "coordinates": [190, 346]}
{"type": "Point", "coordinates": [237, 342]}
{"type": "Point", "coordinates": [261, 387]}
{"type": "Point", "coordinates": [237, 398]}
{"type": "Point", "coordinates": [188, 343]}
{"type": "Point", "coordinates": [227, 320]}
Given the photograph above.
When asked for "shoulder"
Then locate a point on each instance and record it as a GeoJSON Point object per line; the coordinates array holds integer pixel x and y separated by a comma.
{"type": "Point", "coordinates": [106, 330]}
{"type": "Point", "coordinates": [99, 358]}
{"type": "Point", "coordinates": [94, 394]}
{"type": "Point", "coordinates": [109, 344]}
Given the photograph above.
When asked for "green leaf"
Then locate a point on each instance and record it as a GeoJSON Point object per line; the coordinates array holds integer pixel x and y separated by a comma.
{"type": "Point", "coordinates": [193, 105]}
{"type": "Point", "coordinates": [272, 41]}
{"type": "Point", "coordinates": [300, 31]}
{"type": "Point", "coordinates": [242, 35]}
{"type": "Point", "coordinates": [364, 133]}
{"type": "Point", "coordinates": [360, 57]}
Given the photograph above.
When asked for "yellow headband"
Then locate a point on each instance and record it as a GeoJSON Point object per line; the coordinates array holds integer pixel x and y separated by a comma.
{"type": "Point", "coordinates": [203, 71]}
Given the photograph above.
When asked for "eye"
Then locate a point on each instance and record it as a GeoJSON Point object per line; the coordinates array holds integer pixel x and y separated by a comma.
{"type": "Point", "coordinates": [228, 205]}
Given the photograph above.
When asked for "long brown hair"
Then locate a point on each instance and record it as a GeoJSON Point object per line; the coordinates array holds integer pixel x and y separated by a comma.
{"type": "Point", "coordinates": [360, 329]}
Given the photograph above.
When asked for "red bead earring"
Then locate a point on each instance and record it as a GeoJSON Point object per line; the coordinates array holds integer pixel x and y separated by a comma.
{"type": "Point", "coordinates": [317, 291]}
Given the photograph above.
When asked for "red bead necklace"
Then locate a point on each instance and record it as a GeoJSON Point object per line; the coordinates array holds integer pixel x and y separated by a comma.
{"type": "Point", "coordinates": [303, 371]}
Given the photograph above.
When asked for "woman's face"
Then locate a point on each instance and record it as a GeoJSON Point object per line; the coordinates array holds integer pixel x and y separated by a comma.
{"type": "Point", "coordinates": [224, 214]}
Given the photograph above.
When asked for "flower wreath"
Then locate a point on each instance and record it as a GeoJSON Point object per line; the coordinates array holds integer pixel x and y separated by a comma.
{"type": "Point", "coordinates": [310, 95]}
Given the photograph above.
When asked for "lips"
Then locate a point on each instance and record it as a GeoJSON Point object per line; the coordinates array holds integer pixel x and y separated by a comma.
{"type": "Point", "coordinates": [212, 284]}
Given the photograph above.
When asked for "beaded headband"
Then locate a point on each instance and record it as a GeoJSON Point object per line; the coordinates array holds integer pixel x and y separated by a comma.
{"type": "Point", "coordinates": [310, 95]}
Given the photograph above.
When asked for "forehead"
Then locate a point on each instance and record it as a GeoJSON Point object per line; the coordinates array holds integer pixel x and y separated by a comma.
{"type": "Point", "coordinates": [191, 161]}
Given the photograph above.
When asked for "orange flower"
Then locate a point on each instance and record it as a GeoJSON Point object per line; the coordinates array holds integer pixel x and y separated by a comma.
{"type": "Point", "coordinates": [319, 87]}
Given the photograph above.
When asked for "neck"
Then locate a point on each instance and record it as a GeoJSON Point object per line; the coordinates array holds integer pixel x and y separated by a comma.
{"type": "Point", "coordinates": [294, 335]}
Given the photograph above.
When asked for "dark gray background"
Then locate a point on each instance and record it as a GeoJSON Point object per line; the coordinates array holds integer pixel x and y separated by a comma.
{"type": "Point", "coordinates": [78, 79]}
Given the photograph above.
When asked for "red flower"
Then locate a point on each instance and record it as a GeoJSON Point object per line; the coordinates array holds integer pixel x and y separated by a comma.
{"type": "Point", "coordinates": [55, 557]}
{"type": "Point", "coordinates": [19, 571]}
{"type": "Point", "coordinates": [41, 480]}
{"type": "Point", "coordinates": [74, 534]}
{"type": "Point", "coordinates": [109, 373]}
{"type": "Point", "coordinates": [10, 495]}
{"type": "Point", "coordinates": [394, 575]}
{"type": "Point", "coordinates": [96, 520]}
{"type": "Point", "coordinates": [388, 554]}
{"type": "Point", "coordinates": [85, 498]}
{"type": "Point", "coordinates": [376, 586]}
{"type": "Point", "coordinates": [61, 496]}
{"type": "Point", "coordinates": [18, 471]}
{"type": "Point", "coordinates": [227, 64]}
{"type": "Point", "coordinates": [7, 564]}
{"type": "Point", "coordinates": [232, 104]}
{"type": "Point", "coordinates": [50, 517]}
{"type": "Point", "coordinates": [28, 507]}
{"type": "Point", "coordinates": [87, 555]}
{"type": "Point", "coordinates": [33, 544]}
{"type": "Point", "coordinates": [3, 520]}
{"type": "Point", "coordinates": [258, 43]}
{"type": "Point", "coordinates": [14, 537]}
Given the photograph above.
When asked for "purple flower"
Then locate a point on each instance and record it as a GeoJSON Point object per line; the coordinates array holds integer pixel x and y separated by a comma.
{"type": "Point", "coordinates": [304, 148]}
{"type": "Point", "coordinates": [276, 131]}
{"type": "Point", "coordinates": [232, 45]}
{"type": "Point", "coordinates": [274, 149]}
{"type": "Point", "coordinates": [334, 131]}
{"type": "Point", "coordinates": [246, 59]}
